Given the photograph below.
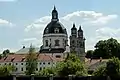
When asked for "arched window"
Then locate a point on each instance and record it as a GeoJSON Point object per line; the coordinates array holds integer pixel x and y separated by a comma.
{"type": "Point", "coordinates": [56, 30]}
{"type": "Point", "coordinates": [46, 30]}
{"type": "Point", "coordinates": [46, 42]}
{"type": "Point", "coordinates": [56, 42]}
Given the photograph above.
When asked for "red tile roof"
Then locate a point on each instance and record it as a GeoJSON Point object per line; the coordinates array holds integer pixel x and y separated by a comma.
{"type": "Point", "coordinates": [21, 57]}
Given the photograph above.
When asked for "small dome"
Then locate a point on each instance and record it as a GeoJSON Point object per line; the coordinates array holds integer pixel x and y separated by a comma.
{"type": "Point", "coordinates": [74, 28]}
{"type": "Point", "coordinates": [80, 29]}
{"type": "Point", "coordinates": [55, 27]}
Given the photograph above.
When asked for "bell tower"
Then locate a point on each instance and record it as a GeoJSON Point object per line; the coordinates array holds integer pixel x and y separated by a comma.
{"type": "Point", "coordinates": [81, 44]}
{"type": "Point", "coordinates": [77, 42]}
{"type": "Point", "coordinates": [73, 39]}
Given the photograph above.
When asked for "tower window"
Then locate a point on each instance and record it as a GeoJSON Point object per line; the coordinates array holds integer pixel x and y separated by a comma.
{"type": "Point", "coordinates": [46, 42]}
{"type": "Point", "coordinates": [16, 69]}
{"type": "Point", "coordinates": [73, 42]}
{"type": "Point", "coordinates": [40, 68]}
{"type": "Point", "coordinates": [81, 44]}
{"type": "Point", "coordinates": [56, 30]}
{"type": "Point", "coordinates": [46, 30]}
{"type": "Point", "coordinates": [56, 42]}
{"type": "Point", "coordinates": [73, 31]}
{"type": "Point", "coordinates": [54, 15]}
{"type": "Point", "coordinates": [21, 69]}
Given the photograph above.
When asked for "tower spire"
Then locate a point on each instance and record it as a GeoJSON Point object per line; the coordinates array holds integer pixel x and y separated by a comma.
{"type": "Point", "coordinates": [54, 7]}
{"type": "Point", "coordinates": [80, 27]}
{"type": "Point", "coordinates": [73, 25]}
{"type": "Point", "coordinates": [54, 14]}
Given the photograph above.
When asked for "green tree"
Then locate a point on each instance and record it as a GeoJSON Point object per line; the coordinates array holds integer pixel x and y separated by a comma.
{"type": "Point", "coordinates": [107, 48]}
{"type": "Point", "coordinates": [31, 61]}
{"type": "Point", "coordinates": [112, 68]}
{"type": "Point", "coordinates": [47, 71]}
{"type": "Point", "coordinates": [6, 52]}
{"type": "Point", "coordinates": [89, 54]}
{"type": "Point", "coordinates": [6, 70]}
{"type": "Point", "coordinates": [71, 65]}
{"type": "Point", "coordinates": [101, 71]}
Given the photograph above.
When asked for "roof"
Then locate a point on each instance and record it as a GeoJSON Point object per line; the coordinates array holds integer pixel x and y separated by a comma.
{"type": "Point", "coordinates": [22, 58]}
{"type": "Point", "coordinates": [50, 28]}
{"type": "Point", "coordinates": [95, 63]}
{"type": "Point", "coordinates": [26, 50]}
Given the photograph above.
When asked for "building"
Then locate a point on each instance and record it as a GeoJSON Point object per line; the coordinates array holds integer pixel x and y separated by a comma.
{"type": "Point", "coordinates": [54, 48]}
{"type": "Point", "coordinates": [55, 38]}
{"type": "Point", "coordinates": [19, 61]}
{"type": "Point", "coordinates": [77, 42]}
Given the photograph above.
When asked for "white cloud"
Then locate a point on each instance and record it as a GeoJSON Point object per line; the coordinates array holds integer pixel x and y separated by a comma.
{"type": "Point", "coordinates": [6, 23]}
{"type": "Point", "coordinates": [38, 24]}
{"type": "Point", "coordinates": [79, 17]}
{"type": "Point", "coordinates": [103, 34]}
{"type": "Point", "coordinates": [107, 32]}
{"type": "Point", "coordinates": [88, 19]}
{"type": "Point", "coordinates": [104, 19]}
{"type": "Point", "coordinates": [28, 41]}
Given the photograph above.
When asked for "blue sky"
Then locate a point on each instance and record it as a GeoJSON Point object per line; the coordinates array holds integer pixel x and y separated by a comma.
{"type": "Point", "coordinates": [23, 21]}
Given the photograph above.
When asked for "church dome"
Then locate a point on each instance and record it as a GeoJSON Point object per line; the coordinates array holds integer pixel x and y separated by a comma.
{"type": "Point", "coordinates": [55, 27]}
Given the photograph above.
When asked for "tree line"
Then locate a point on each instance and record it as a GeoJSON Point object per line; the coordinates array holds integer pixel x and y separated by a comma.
{"type": "Point", "coordinates": [108, 49]}
{"type": "Point", "coordinates": [105, 49]}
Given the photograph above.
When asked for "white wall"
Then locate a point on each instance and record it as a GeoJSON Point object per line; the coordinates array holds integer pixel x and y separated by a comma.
{"type": "Point", "coordinates": [54, 37]}
{"type": "Point", "coordinates": [19, 65]}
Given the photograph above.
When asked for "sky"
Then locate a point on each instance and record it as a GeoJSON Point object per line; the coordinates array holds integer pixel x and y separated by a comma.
{"type": "Point", "coordinates": [22, 22]}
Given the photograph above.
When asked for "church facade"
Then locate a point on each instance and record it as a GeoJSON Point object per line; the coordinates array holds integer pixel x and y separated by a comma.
{"type": "Point", "coordinates": [55, 38]}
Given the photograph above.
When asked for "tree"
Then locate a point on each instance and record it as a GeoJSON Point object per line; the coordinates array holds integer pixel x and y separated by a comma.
{"type": "Point", "coordinates": [89, 54]}
{"type": "Point", "coordinates": [71, 65]}
{"type": "Point", "coordinates": [112, 68]}
{"type": "Point", "coordinates": [6, 52]}
{"type": "Point", "coordinates": [31, 61]}
{"type": "Point", "coordinates": [47, 71]}
{"type": "Point", "coordinates": [101, 71]}
{"type": "Point", "coordinates": [107, 48]}
{"type": "Point", "coordinates": [6, 70]}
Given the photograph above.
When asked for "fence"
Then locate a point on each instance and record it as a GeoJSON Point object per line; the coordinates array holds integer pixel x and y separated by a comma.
{"type": "Point", "coordinates": [58, 78]}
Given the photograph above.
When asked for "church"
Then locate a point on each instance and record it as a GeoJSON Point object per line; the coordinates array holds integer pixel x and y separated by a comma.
{"type": "Point", "coordinates": [54, 48]}
{"type": "Point", "coordinates": [55, 38]}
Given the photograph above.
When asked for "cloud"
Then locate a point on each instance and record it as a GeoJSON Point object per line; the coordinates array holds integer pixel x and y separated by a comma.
{"type": "Point", "coordinates": [6, 23]}
{"type": "Point", "coordinates": [104, 19]}
{"type": "Point", "coordinates": [90, 17]}
{"type": "Point", "coordinates": [7, 0]}
{"type": "Point", "coordinates": [103, 34]}
{"type": "Point", "coordinates": [28, 41]}
{"type": "Point", "coordinates": [107, 32]}
{"type": "Point", "coordinates": [93, 24]}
